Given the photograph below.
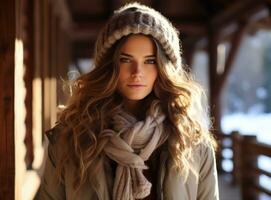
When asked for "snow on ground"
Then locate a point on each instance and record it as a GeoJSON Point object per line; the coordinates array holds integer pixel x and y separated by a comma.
{"type": "Point", "coordinates": [253, 124]}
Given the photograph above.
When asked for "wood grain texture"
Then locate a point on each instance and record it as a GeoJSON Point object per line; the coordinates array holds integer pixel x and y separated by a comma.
{"type": "Point", "coordinates": [7, 53]}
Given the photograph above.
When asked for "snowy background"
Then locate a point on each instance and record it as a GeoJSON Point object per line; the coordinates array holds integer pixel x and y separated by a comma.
{"type": "Point", "coordinates": [246, 98]}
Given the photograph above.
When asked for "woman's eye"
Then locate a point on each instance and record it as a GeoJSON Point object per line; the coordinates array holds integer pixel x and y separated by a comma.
{"type": "Point", "coordinates": [150, 61]}
{"type": "Point", "coordinates": [125, 60]}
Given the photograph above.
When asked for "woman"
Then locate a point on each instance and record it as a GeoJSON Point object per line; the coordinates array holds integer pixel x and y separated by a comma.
{"type": "Point", "coordinates": [135, 127]}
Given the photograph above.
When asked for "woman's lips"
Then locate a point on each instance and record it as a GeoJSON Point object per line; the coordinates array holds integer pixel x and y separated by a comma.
{"type": "Point", "coordinates": [136, 85]}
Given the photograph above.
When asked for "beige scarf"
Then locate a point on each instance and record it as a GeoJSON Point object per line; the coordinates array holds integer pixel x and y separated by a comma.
{"type": "Point", "coordinates": [134, 144]}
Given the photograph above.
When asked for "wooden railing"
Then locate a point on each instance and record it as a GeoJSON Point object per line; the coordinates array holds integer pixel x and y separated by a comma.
{"type": "Point", "coordinates": [246, 171]}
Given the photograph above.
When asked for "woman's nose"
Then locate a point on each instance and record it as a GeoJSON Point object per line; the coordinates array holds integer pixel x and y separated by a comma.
{"type": "Point", "coordinates": [137, 69]}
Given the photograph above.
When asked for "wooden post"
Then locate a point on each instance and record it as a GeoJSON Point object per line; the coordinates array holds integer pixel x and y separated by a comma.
{"type": "Point", "coordinates": [217, 81]}
{"type": "Point", "coordinates": [214, 94]}
{"type": "Point", "coordinates": [249, 177]}
{"type": "Point", "coordinates": [46, 65]}
{"type": "Point", "coordinates": [214, 97]}
{"type": "Point", "coordinates": [188, 52]}
{"type": "Point", "coordinates": [29, 56]}
{"type": "Point", "coordinates": [7, 68]}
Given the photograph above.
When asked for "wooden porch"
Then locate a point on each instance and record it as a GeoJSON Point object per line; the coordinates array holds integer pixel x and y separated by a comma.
{"type": "Point", "coordinates": [40, 41]}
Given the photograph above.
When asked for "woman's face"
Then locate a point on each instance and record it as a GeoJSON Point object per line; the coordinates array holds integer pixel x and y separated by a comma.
{"type": "Point", "coordinates": [138, 68]}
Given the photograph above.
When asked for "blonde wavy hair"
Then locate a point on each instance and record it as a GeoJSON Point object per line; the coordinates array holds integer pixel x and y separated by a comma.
{"type": "Point", "coordinates": [95, 101]}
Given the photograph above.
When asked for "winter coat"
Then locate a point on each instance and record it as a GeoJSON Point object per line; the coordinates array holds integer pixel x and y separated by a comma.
{"type": "Point", "coordinates": [170, 184]}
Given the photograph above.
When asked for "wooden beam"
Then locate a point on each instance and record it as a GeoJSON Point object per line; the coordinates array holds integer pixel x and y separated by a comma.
{"type": "Point", "coordinates": [193, 29]}
{"type": "Point", "coordinates": [7, 68]}
{"type": "Point", "coordinates": [237, 11]}
{"type": "Point", "coordinates": [90, 30]}
{"type": "Point", "coordinates": [209, 7]}
{"type": "Point", "coordinates": [235, 44]}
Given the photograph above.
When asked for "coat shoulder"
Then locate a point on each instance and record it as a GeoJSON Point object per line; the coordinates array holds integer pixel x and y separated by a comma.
{"type": "Point", "coordinates": [57, 146]}
{"type": "Point", "coordinates": [54, 133]}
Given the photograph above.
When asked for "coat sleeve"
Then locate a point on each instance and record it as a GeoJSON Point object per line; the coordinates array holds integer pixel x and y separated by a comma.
{"type": "Point", "coordinates": [208, 183]}
{"type": "Point", "coordinates": [51, 188]}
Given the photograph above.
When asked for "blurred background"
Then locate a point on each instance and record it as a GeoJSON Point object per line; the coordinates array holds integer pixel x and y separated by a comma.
{"type": "Point", "coordinates": [46, 44]}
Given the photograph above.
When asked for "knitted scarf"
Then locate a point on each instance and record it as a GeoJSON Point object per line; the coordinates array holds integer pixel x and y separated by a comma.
{"type": "Point", "coordinates": [130, 147]}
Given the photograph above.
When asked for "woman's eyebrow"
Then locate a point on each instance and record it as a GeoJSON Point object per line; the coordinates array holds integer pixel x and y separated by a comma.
{"type": "Point", "coordinates": [128, 55]}
{"type": "Point", "coordinates": [150, 56]}
{"type": "Point", "coordinates": [125, 54]}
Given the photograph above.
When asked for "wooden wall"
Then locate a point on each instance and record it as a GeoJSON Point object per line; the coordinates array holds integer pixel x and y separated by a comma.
{"type": "Point", "coordinates": [7, 66]}
{"type": "Point", "coordinates": [34, 54]}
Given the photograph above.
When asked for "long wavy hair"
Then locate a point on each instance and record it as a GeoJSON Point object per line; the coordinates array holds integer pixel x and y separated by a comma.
{"type": "Point", "coordinates": [95, 101]}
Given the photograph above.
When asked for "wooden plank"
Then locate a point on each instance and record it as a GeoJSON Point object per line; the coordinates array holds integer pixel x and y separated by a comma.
{"type": "Point", "coordinates": [263, 190]}
{"type": "Point", "coordinates": [7, 67]}
{"type": "Point", "coordinates": [261, 148]}
{"type": "Point", "coordinates": [262, 172]}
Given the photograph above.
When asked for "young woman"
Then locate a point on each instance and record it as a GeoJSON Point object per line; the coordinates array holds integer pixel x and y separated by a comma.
{"type": "Point", "coordinates": [135, 127]}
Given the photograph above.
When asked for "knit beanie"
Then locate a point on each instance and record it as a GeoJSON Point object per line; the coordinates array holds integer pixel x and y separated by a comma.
{"type": "Point", "coordinates": [135, 18]}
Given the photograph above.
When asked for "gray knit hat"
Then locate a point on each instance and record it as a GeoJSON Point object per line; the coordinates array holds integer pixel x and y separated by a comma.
{"type": "Point", "coordinates": [135, 18]}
